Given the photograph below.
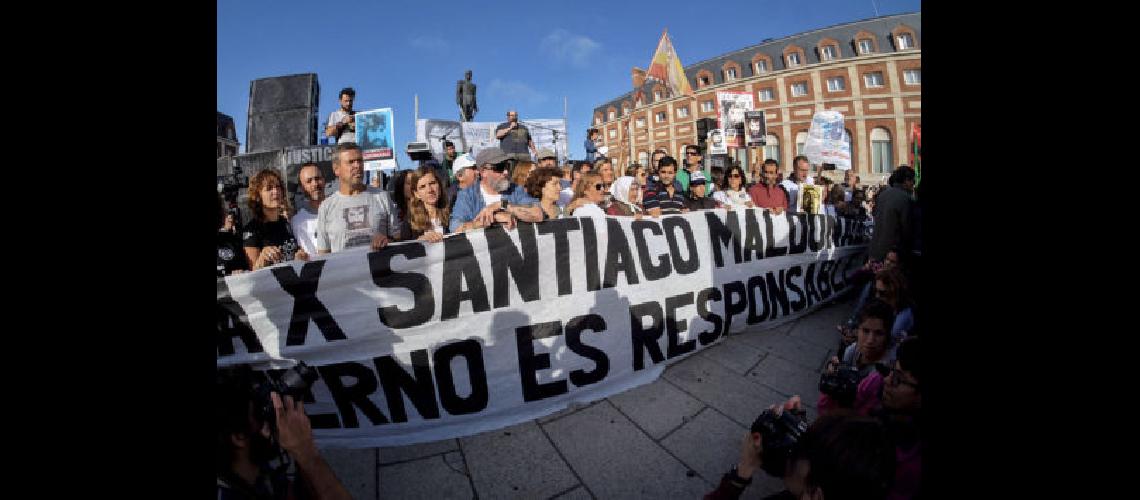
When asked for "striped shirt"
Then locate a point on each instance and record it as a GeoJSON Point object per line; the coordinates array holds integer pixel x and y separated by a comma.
{"type": "Point", "coordinates": [656, 196]}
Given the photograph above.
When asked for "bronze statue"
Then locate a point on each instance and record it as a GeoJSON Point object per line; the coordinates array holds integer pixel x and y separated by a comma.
{"type": "Point", "coordinates": [465, 98]}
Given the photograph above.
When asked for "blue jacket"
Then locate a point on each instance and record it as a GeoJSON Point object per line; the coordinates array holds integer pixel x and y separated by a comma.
{"type": "Point", "coordinates": [590, 150]}
{"type": "Point", "coordinates": [470, 202]}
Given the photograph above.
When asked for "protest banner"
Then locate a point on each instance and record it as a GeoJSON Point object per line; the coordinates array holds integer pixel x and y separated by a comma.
{"type": "Point", "coordinates": [425, 341]}
{"type": "Point", "coordinates": [479, 135]}
{"type": "Point", "coordinates": [434, 132]}
{"type": "Point", "coordinates": [375, 133]}
{"type": "Point", "coordinates": [826, 141]}
{"type": "Point", "coordinates": [474, 136]}
{"type": "Point", "coordinates": [731, 107]}
{"type": "Point", "coordinates": [756, 128]}
{"type": "Point", "coordinates": [548, 133]}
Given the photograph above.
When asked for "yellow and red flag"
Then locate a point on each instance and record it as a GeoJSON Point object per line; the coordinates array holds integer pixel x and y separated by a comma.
{"type": "Point", "coordinates": [666, 68]}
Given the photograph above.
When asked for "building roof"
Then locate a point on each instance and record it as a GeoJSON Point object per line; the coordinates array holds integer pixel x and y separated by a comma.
{"type": "Point", "coordinates": [845, 33]}
{"type": "Point", "coordinates": [226, 126]}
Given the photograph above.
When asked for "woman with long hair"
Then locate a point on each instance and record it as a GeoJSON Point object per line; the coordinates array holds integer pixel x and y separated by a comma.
{"type": "Point", "coordinates": [522, 171]}
{"type": "Point", "coordinates": [268, 239]}
{"type": "Point", "coordinates": [401, 190]}
{"type": "Point", "coordinates": [626, 193]}
{"type": "Point", "coordinates": [588, 193]}
{"type": "Point", "coordinates": [428, 212]}
{"type": "Point", "coordinates": [732, 194]}
{"type": "Point", "coordinates": [545, 183]}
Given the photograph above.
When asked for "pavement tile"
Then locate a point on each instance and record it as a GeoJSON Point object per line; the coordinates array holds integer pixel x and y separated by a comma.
{"type": "Point", "coordinates": [657, 407]}
{"type": "Point", "coordinates": [736, 396]}
{"type": "Point", "coordinates": [806, 354]}
{"type": "Point", "coordinates": [734, 355]}
{"type": "Point", "coordinates": [788, 378]}
{"type": "Point", "coordinates": [441, 476]}
{"type": "Point", "coordinates": [393, 454]}
{"type": "Point", "coordinates": [616, 460]}
{"type": "Point", "coordinates": [574, 407]}
{"type": "Point", "coordinates": [709, 444]}
{"type": "Point", "coordinates": [578, 493]}
{"type": "Point", "coordinates": [516, 462]}
{"type": "Point", "coordinates": [356, 469]}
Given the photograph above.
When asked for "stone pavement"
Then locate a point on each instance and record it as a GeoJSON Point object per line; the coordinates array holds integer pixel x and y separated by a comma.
{"type": "Point", "coordinates": [672, 438]}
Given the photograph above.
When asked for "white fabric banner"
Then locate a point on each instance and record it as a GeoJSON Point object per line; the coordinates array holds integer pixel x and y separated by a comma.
{"type": "Point", "coordinates": [826, 141]}
{"type": "Point", "coordinates": [420, 342]}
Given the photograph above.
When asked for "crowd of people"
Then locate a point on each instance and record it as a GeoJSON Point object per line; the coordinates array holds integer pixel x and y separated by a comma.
{"type": "Point", "coordinates": [879, 342]}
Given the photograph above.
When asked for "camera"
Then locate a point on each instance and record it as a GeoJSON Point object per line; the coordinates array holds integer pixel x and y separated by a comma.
{"type": "Point", "coordinates": [841, 385]}
{"type": "Point", "coordinates": [779, 435]}
{"type": "Point", "coordinates": [294, 382]}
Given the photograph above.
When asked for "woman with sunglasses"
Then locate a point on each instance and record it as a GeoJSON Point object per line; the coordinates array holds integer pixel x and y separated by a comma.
{"type": "Point", "coordinates": [732, 194]}
{"type": "Point", "coordinates": [640, 173]}
{"type": "Point", "coordinates": [268, 238]}
{"type": "Point", "coordinates": [626, 198]}
{"type": "Point", "coordinates": [588, 193]}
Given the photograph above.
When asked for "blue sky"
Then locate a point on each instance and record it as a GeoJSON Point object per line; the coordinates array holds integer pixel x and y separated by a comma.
{"type": "Point", "coordinates": [524, 54]}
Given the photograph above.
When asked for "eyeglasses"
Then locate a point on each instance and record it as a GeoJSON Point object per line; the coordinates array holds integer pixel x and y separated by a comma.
{"type": "Point", "coordinates": [894, 378]}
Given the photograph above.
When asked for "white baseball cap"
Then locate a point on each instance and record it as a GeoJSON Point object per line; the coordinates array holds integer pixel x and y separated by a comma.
{"type": "Point", "coordinates": [461, 162]}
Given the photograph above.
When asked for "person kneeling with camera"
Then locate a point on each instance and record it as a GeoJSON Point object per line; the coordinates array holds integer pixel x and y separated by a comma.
{"type": "Point", "coordinates": [261, 427]}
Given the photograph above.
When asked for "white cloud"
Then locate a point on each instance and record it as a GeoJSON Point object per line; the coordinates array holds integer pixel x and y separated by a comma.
{"type": "Point", "coordinates": [429, 43]}
{"type": "Point", "coordinates": [517, 93]}
{"type": "Point", "coordinates": [565, 47]}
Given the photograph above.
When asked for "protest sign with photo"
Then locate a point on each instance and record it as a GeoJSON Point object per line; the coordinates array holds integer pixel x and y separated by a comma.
{"type": "Point", "coordinates": [375, 133]}
{"type": "Point", "coordinates": [716, 142]}
{"type": "Point", "coordinates": [755, 128]}
{"type": "Point", "coordinates": [434, 132]}
{"type": "Point", "coordinates": [422, 341]}
{"type": "Point", "coordinates": [827, 142]}
{"type": "Point", "coordinates": [731, 107]}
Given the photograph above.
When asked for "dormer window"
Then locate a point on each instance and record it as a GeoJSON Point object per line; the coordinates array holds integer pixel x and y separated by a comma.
{"type": "Point", "coordinates": [828, 53]}
{"type": "Point", "coordinates": [793, 60]}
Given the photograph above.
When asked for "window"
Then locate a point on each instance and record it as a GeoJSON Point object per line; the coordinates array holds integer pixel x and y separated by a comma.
{"type": "Point", "coordinates": [661, 117]}
{"type": "Point", "coordinates": [761, 67]}
{"type": "Point", "coordinates": [912, 76]}
{"type": "Point", "coordinates": [836, 84]}
{"type": "Point", "coordinates": [656, 95]}
{"type": "Point", "coordinates": [881, 151]}
{"type": "Point", "coordinates": [793, 60]}
{"type": "Point", "coordinates": [771, 147]}
{"type": "Point", "coordinates": [801, 139]}
{"type": "Point", "coordinates": [638, 103]}
{"type": "Point", "coordinates": [828, 53]}
{"type": "Point", "coordinates": [641, 123]}
{"type": "Point", "coordinates": [730, 74]}
{"type": "Point", "coordinates": [905, 41]}
{"type": "Point", "coordinates": [683, 112]}
{"type": "Point", "coordinates": [873, 79]}
{"type": "Point", "coordinates": [643, 158]}
{"type": "Point", "coordinates": [799, 89]}
{"type": "Point", "coordinates": [598, 120]}
{"type": "Point", "coordinates": [766, 95]}
{"type": "Point", "coordinates": [612, 115]}
{"type": "Point", "coordinates": [613, 133]}
{"type": "Point", "coordinates": [865, 47]}
{"type": "Point", "coordinates": [706, 106]}
{"type": "Point", "coordinates": [704, 80]}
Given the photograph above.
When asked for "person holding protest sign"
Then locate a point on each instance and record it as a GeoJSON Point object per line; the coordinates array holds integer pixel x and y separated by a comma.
{"type": "Point", "coordinates": [767, 193]}
{"type": "Point", "coordinates": [268, 238]}
{"type": "Point", "coordinates": [588, 195]}
{"type": "Point", "coordinates": [545, 183]}
{"type": "Point", "coordinates": [667, 196]}
{"type": "Point", "coordinates": [495, 199]}
{"type": "Point", "coordinates": [428, 211]}
{"type": "Point", "coordinates": [355, 215]}
{"type": "Point", "coordinates": [801, 170]}
{"type": "Point", "coordinates": [626, 194]}
{"type": "Point", "coordinates": [731, 194]}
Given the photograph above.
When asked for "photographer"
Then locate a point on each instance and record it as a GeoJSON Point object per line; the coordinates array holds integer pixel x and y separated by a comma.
{"type": "Point", "coordinates": [874, 343]}
{"type": "Point", "coordinates": [249, 462]}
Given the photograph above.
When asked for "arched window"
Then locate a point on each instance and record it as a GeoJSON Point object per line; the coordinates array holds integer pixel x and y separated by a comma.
{"type": "Point", "coordinates": [771, 147]}
{"type": "Point", "coordinates": [881, 150]}
{"type": "Point", "coordinates": [801, 139]}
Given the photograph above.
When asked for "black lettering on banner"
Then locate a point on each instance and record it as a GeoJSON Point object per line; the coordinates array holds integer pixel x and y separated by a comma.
{"type": "Point", "coordinates": [646, 338]}
{"type": "Point", "coordinates": [651, 272]}
{"type": "Point", "coordinates": [350, 397]}
{"type": "Point", "coordinates": [380, 265]}
{"type": "Point", "coordinates": [232, 322]}
{"type": "Point", "coordinates": [754, 283]}
{"type": "Point", "coordinates": [590, 247]}
{"type": "Point", "coordinates": [797, 233]}
{"type": "Point", "coordinates": [618, 256]}
{"type": "Point", "coordinates": [710, 336]}
{"type": "Point", "coordinates": [731, 307]}
{"type": "Point", "coordinates": [306, 306]}
{"type": "Point", "coordinates": [821, 280]}
{"type": "Point", "coordinates": [815, 230]}
{"type": "Point", "coordinates": [530, 363]}
{"type": "Point", "coordinates": [419, 388]}
{"type": "Point", "coordinates": [772, 250]}
{"type": "Point", "coordinates": [778, 293]}
{"type": "Point", "coordinates": [674, 327]}
{"type": "Point", "coordinates": [460, 265]}
{"type": "Point", "coordinates": [809, 285]}
{"type": "Point", "coordinates": [472, 352]}
{"type": "Point", "coordinates": [523, 266]}
{"type": "Point", "coordinates": [801, 301]}
{"type": "Point", "coordinates": [574, 329]}
{"type": "Point", "coordinates": [559, 228]}
{"type": "Point", "coordinates": [723, 234]}
{"type": "Point", "coordinates": [682, 266]}
{"type": "Point", "coordinates": [753, 237]}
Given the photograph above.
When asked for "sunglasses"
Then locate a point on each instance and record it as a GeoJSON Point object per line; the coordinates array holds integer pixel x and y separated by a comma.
{"type": "Point", "coordinates": [499, 167]}
{"type": "Point", "coordinates": [598, 187]}
{"type": "Point", "coordinates": [694, 153]}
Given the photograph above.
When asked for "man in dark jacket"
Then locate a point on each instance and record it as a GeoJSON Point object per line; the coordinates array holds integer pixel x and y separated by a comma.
{"type": "Point", "coordinates": [892, 214]}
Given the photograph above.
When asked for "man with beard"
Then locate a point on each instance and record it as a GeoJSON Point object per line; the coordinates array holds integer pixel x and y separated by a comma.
{"type": "Point", "coordinates": [514, 138]}
{"type": "Point", "coordinates": [495, 199]}
{"type": "Point", "coordinates": [801, 169]}
{"type": "Point", "coordinates": [767, 193]}
{"type": "Point", "coordinates": [355, 215]}
{"type": "Point", "coordinates": [466, 175]}
{"type": "Point", "coordinates": [304, 223]}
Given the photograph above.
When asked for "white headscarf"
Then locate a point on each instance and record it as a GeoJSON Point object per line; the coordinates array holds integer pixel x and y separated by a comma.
{"type": "Point", "coordinates": [620, 191]}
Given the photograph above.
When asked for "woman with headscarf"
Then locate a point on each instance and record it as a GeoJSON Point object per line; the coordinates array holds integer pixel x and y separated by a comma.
{"type": "Point", "coordinates": [626, 193]}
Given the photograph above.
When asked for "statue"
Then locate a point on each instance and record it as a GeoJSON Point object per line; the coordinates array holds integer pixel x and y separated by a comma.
{"type": "Point", "coordinates": [465, 98]}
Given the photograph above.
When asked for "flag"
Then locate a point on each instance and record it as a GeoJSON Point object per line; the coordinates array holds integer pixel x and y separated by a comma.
{"type": "Point", "coordinates": [666, 68]}
{"type": "Point", "coordinates": [916, 152]}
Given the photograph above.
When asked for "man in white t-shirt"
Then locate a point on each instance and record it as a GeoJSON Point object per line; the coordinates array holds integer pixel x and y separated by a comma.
{"type": "Point", "coordinates": [304, 223]}
{"type": "Point", "coordinates": [800, 176]}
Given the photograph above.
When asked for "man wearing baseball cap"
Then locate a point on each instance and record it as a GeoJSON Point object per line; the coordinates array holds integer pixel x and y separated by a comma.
{"type": "Point", "coordinates": [546, 158]}
{"type": "Point", "coordinates": [698, 195]}
{"type": "Point", "coordinates": [465, 173]}
{"type": "Point", "coordinates": [494, 199]}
